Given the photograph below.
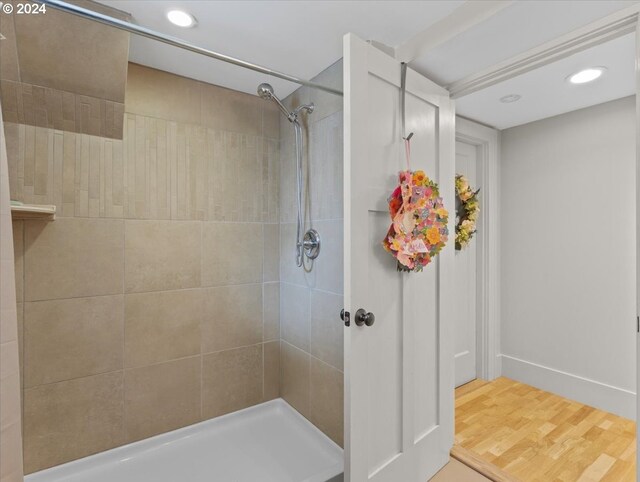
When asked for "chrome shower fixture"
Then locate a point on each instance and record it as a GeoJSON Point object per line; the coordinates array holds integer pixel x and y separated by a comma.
{"type": "Point", "coordinates": [309, 243]}
{"type": "Point", "coordinates": [265, 91]}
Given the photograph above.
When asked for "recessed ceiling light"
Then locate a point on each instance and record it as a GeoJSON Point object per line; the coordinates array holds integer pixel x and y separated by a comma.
{"type": "Point", "coordinates": [586, 75]}
{"type": "Point", "coordinates": [507, 99]}
{"type": "Point", "coordinates": [181, 18]}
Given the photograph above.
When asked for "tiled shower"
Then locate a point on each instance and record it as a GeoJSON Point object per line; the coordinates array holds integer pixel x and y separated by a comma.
{"type": "Point", "coordinates": [165, 292]}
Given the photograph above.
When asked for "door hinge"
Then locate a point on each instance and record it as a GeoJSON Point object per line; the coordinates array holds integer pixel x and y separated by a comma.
{"type": "Point", "coordinates": [346, 317]}
{"type": "Point", "coordinates": [637, 324]}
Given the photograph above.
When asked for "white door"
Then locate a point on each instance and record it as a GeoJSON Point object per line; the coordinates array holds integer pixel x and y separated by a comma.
{"type": "Point", "coordinates": [466, 304]}
{"type": "Point", "coordinates": [399, 371]}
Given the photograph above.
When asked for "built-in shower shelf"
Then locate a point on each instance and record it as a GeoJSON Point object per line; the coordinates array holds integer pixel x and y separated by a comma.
{"type": "Point", "coordinates": [33, 211]}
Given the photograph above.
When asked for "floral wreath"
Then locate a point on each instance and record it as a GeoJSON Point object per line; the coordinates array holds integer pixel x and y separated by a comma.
{"type": "Point", "coordinates": [419, 221]}
{"type": "Point", "coordinates": [467, 211]}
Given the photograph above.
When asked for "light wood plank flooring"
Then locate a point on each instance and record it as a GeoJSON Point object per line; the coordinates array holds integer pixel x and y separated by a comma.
{"type": "Point", "coordinates": [538, 436]}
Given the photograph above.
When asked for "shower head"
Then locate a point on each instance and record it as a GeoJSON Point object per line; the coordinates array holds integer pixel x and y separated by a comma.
{"type": "Point", "coordinates": [265, 91]}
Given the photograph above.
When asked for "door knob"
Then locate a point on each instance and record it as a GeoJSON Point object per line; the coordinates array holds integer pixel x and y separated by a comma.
{"type": "Point", "coordinates": [364, 318]}
{"type": "Point", "coordinates": [346, 317]}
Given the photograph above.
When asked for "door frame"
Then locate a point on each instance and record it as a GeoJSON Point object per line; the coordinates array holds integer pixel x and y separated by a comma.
{"type": "Point", "coordinates": [487, 142]}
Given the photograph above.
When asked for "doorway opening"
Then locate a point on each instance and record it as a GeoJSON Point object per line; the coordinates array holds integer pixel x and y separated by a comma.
{"type": "Point", "coordinates": [561, 402]}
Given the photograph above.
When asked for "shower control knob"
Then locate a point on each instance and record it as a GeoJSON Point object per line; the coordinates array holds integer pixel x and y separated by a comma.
{"type": "Point", "coordinates": [364, 318]}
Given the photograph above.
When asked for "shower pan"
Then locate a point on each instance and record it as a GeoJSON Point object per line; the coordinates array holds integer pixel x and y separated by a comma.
{"type": "Point", "coordinates": [226, 448]}
{"type": "Point", "coordinates": [309, 244]}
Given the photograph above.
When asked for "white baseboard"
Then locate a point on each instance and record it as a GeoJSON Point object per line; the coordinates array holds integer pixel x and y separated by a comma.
{"type": "Point", "coordinates": [590, 392]}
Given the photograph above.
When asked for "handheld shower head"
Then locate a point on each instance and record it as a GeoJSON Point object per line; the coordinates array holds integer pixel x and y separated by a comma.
{"type": "Point", "coordinates": [265, 91]}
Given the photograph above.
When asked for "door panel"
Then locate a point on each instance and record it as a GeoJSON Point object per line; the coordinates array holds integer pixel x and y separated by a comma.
{"type": "Point", "coordinates": [466, 282]}
{"type": "Point", "coordinates": [399, 371]}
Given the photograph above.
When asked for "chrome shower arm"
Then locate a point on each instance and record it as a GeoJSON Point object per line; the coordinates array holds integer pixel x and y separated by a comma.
{"type": "Point", "coordinates": [287, 114]}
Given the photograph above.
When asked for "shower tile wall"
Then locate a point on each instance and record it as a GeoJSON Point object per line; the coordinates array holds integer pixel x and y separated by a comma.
{"type": "Point", "coordinates": [49, 79]}
{"type": "Point", "coordinates": [310, 302]}
{"type": "Point", "coordinates": [152, 301]}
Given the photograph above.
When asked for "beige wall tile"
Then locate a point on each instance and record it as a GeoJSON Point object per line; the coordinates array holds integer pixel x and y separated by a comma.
{"type": "Point", "coordinates": [7, 301]}
{"type": "Point", "coordinates": [84, 174]}
{"type": "Point", "coordinates": [8, 329]}
{"type": "Point", "coordinates": [72, 338]}
{"type": "Point", "coordinates": [288, 172]}
{"type": "Point", "coordinates": [271, 311]}
{"type": "Point", "coordinates": [230, 110]}
{"type": "Point", "coordinates": [20, 320]}
{"type": "Point", "coordinates": [325, 102]}
{"type": "Point", "coordinates": [51, 108]}
{"type": "Point", "coordinates": [329, 266]}
{"type": "Point", "coordinates": [12, 108]}
{"type": "Point", "coordinates": [294, 381]}
{"type": "Point", "coordinates": [18, 256]}
{"type": "Point", "coordinates": [162, 326]}
{"type": "Point", "coordinates": [162, 397]}
{"type": "Point", "coordinates": [161, 255]}
{"type": "Point", "coordinates": [295, 322]}
{"type": "Point", "coordinates": [11, 454]}
{"type": "Point", "coordinates": [9, 384]}
{"type": "Point", "coordinates": [10, 414]}
{"type": "Point", "coordinates": [72, 419]}
{"type": "Point", "coordinates": [271, 257]}
{"type": "Point", "coordinates": [232, 317]}
{"type": "Point", "coordinates": [15, 163]}
{"type": "Point", "coordinates": [231, 380]}
{"type": "Point", "coordinates": [271, 370]}
{"type": "Point", "coordinates": [150, 154]}
{"type": "Point", "coordinates": [159, 94]}
{"type": "Point", "coordinates": [326, 409]}
{"type": "Point", "coordinates": [327, 329]}
{"type": "Point", "coordinates": [9, 68]}
{"type": "Point", "coordinates": [241, 177]}
{"type": "Point", "coordinates": [51, 56]}
{"type": "Point", "coordinates": [231, 253]}
{"type": "Point", "coordinates": [270, 180]}
{"type": "Point", "coordinates": [326, 168]}
{"type": "Point", "coordinates": [271, 120]}
{"type": "Point", "coordinates": [73, 257]}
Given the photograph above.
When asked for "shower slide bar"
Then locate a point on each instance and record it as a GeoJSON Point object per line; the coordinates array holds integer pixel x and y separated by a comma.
{"type": "Point", "coordinates": [176, 42]}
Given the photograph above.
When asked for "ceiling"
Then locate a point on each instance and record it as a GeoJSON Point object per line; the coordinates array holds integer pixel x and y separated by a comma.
{"type": "Point", "coordinates": [546, 92]}
{"type": "Point", "coordinates": [299, 38]}
{"type": "Point", "coordinates": [302, 38]}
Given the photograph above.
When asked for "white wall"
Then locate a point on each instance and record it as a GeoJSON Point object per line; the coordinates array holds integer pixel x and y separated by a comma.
{"type": "Point", "coordinates": [568, 255]}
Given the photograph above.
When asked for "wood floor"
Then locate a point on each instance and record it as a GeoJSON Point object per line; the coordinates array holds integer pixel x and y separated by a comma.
{"type": "Point", "coordinates": [535, 435]}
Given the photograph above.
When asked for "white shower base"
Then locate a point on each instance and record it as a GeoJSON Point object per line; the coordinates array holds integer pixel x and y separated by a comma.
{"type": "Point", "coordinates": [270, 442]}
